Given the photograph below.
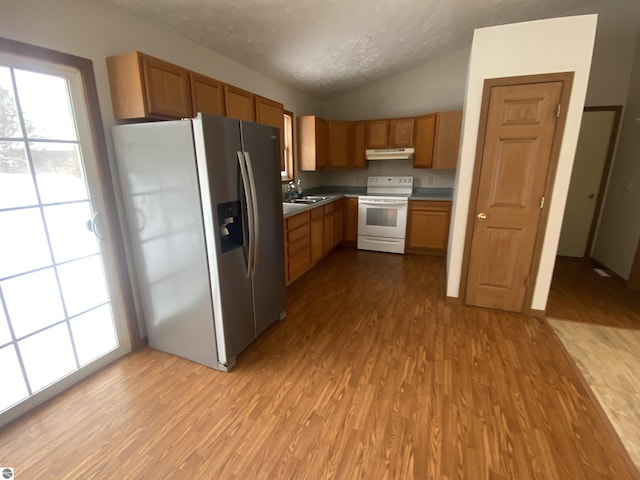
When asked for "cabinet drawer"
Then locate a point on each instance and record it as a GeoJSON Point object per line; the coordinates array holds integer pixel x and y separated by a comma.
{"type": "Point", "coordinates": [316, 213]}
{"type": "Point", "coordinates": [299, 263]}
{"type": "Point", "coordinates": [297, 220]}
{"type": "Point", "coordinates": [297, 234]}
{"type": "Point", "coordinates": [328, 208]}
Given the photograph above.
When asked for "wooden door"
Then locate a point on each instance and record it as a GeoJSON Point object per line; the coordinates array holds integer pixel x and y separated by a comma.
{"type": "Point", "coordinates": [401, 132]}
{"type": "Point", "coordinates": [377, 133]}
{"type": "Point", "coordinates": [317, 234]}
{"type": "Point", "coordinates": [447, 139]}
{"type": "Point", "coordinates": [516, 146]}
{"type": "Point", "coordinates": [167, 88]}
{"type": "Point", "coordinates": [207, 94]}
{"type": "Point", "coordinates": [339, 138]}
{"type": "Point", "coordinates": [321, 138]}
{"type": "Point", "coordinates": [239, 103]}
{"type": "Point", "coordinates": [425, 132]}
{"type": "Point", "coordinates": [350, 220]}
{"type": "Point", "coordinates": [329, 228]}
{"type": "Point", "coordinates": [338, 213]}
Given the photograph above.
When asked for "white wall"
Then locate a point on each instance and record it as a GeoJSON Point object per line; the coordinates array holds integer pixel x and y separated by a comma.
{"type": "Point", "coordinates": [619, 229]}
{"type": "Point", "coordinates": [544, 46]}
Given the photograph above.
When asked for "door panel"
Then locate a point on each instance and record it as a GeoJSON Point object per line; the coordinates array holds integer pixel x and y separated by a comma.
{"type": "Point", "coordinates": [519, 135]}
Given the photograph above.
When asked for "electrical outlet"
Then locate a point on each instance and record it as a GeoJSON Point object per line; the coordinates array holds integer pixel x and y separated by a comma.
{"type": "Point", "coordinates": [430, 180]}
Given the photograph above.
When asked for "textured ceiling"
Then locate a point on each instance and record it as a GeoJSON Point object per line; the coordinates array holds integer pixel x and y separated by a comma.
{"type": "Point", "coordinates": [327, 47]}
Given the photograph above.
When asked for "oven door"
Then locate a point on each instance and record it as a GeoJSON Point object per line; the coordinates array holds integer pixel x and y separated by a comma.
{"type": "Point", "coordinates": [382, 217]}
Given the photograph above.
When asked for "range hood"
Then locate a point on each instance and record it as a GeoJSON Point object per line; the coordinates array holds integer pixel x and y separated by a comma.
{"type": "Point", "coordinates": [389, 153]}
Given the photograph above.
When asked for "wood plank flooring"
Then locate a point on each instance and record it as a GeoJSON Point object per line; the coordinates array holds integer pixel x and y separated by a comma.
{"type": "Point", "coordinates": [370, 376]}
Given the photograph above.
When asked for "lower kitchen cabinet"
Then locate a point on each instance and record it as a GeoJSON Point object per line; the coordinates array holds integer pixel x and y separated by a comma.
{"type": "Point", "coordinates": [338, 214]}
{"type": "Point", "coordinates": [428, 226]}
{"type": "Point", "coordinates": [297, 245]}
{"type": "Point", "coordinates": [350, 220]}
{"type": "Point", "coordinates": [317, 234]}
{"type": "Point", "coordinates": [329, 228]}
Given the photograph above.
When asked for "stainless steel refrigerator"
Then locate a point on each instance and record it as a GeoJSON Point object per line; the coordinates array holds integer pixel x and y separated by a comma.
{"type": "Point", "coordinates": [203, 204]}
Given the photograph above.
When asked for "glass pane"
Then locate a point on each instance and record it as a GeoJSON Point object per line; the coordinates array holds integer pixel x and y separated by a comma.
{"type": "Point", "coordinates": [13, 387]}
{"type": "Point", "coordinates": [5, 334]}
{"type": "Point", "coordinates": [382, 217]}
{"type": "Point", "coordinates": [45, 104]}
{"type": "Point", "coordinates": [47, 356]}
{"type": "Point", "coordinates": [26, 247]}
{"type": "Point", "coordinates": [70, 232]}
{"type": "Point", "coordinates": [93, 334]}
{"type": "Point", "coordinates": [9, 121]}
{"type": "Point", "coordinates": [83, 285]}
{"type": "Point", "coordinates": [16, 183]}
{"type": "Point", "coordinates": [59, 172]}
{"type": "Point", "coordinates": [33, 301]}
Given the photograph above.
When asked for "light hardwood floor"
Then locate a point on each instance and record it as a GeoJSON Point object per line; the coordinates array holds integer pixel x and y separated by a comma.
{"type": "Point", "coordinates": [370, 376]}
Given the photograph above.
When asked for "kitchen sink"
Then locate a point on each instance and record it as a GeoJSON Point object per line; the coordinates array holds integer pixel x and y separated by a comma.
{"type": "Point", "coordinates": [318, 199]}
{"type": "Point", "coordinates": [292, 207]}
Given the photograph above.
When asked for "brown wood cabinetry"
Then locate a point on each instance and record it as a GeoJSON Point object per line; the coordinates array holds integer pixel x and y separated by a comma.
{"type": "Point", "coordinates": [437, 139]}
{"type": "Point", "coordinates": [329, 228]}
{"type": "Point", "coordinates": [239, 103]}
{"type": "Point", "coordinates": [359, 158]}
{"type": "Point", "coordinates": [340, 144]}
{"type": "Point", "coordinates": [312, 143]}
{"type": "Point", "coordinates": [377, 133]}
{"type": "Point", "coordinates": [269, 112]}
{"type": "Point", "coordinates": [207, 94]}
{"type": "Point", "coordinates": [350, 220]}
{"type": "Point", "coordinates": [338, 213]}
{"type": "Point", "coordinates": [317, 234]}
{"type": "Point", "coordinates": [143, 86]}
{"type": "Point", "coordinates": [389, 133]}
{"type": "Point", "coordinates": [428, 226]}
{"type": "Point", "coordinates": [447, 139]}
{"type": "Point", "coordinates": [297, 245]}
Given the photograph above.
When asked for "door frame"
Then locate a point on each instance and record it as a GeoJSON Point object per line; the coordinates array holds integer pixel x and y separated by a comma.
{"type": "Point", "coordinates": [566, 78]}
{"type": "Point", "coordinates": [606, 170]}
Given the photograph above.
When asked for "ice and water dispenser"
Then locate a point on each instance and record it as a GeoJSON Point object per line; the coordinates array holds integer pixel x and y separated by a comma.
{"type": "Point", "coordinates": [231, 225]}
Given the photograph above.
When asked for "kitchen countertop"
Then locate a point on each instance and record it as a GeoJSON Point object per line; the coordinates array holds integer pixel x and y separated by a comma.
{"type": "Point", "coordinates": [334, 193]}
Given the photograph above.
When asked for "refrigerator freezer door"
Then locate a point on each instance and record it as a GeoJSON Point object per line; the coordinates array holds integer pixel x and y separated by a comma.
{"type": "Point", "coordinates": [217, 143]}
{"type": "Point", "coordinates": [156, 163]}
{"type": "Point", "coordinates": [262, 149]}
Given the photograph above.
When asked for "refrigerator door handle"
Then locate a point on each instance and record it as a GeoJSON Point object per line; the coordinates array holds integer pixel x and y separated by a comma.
{"type": "Point", "coordinates": [247, 194]}
{"type": "Point", "coordinates": [256, 217]}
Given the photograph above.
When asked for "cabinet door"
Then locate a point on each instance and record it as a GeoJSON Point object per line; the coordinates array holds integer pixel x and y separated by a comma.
{"type": "Point", "coordinates": [425, 133]}
{"type": "Point", "coordinates": [428, 226]}
{"type": "Point", "coordinates": [377, 133]}
{"type": "Point", "coordinates": [207, 94]}
{"type": "Point", "coordinates": [351, 220]}
{"type": "Point", "coordinates": [239, 103]}
{"type": "Point", "coordinates": [297, 244]}
{"type": "Point", "coordinates": [338, 215]}
{"type": "Point", "coordinates": [312, 143]}
{"type": "Point", "coordinates": [317, 234]}
{"type": "Point", "coordinates": [447, 139]}
{"type": "Point", "coordinates": [359, 159]}
{"type": "Point", "coordinates": [329, 231]}
{"type": "Point", "coordinates": [269, 112]}
{"type": "Point", "coordinates": [401, 132]}
{"type": "Point", "coordinates": [339, 139]}
{"type": "Point", "coordinates": [167, 89]}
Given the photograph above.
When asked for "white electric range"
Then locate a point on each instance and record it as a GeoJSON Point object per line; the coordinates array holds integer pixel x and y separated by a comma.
{"type": "Point", "coordinates": [382, 214]}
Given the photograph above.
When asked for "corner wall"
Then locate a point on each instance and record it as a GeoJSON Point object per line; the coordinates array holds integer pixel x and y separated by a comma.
{"type": "Point", "coordinates": [619, 229]}
{"type": "Point", "coordinates": [543, 46]}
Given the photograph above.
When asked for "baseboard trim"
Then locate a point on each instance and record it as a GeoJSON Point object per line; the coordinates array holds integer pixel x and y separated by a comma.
{"type": "Point", "coordinates": [454, 300]}
{"type": "Point", "coordinates": [534, 312]}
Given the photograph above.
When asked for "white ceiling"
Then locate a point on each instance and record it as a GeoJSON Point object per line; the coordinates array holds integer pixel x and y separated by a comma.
{"type": "Point", "coordinates": [327, 47]}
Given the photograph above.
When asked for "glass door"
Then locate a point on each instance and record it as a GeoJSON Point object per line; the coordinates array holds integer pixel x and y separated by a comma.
{"type": "Point", "coordinates": [58, 320]}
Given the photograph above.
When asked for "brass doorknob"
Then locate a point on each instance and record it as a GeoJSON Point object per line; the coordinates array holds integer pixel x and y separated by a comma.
{"type": "Point", "coordinates": [482, 216]}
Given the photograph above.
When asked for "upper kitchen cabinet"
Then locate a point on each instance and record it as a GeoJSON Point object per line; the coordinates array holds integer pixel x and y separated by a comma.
{"type": "Point", "coordinates": [340, 144]}
{"type": "Point", "coordinates": [312, 143]}
{"type": "Point", "coordinates": [447, 139]}
{"type": "Point", "coordinates": [377, 133]}
{"type": "Point", "coordinates": [269, 112]}
{"type": "Point", "coordinates": [143, 86]}
{"type": "Point", "coordinates": [240, 104]}
{"type": "Point", "coordinates": [359, 158]}
{"type": "Point", "coordinates": [207, 94]}
{"type": "Point", "coordinates": [392, 133]}
{"type": "Point", "coordinates": [437, 139]}
{"type": "Point", "coordinates": [425, 136]}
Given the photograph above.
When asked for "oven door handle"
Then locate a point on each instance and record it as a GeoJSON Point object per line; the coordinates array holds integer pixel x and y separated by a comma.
{"type": "Point", "coordinates": [384, 203]}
